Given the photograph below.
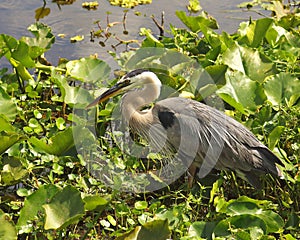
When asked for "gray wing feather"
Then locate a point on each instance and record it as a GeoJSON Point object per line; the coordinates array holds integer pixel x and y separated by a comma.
{"type": "Point", "coordinates": [214, 140]}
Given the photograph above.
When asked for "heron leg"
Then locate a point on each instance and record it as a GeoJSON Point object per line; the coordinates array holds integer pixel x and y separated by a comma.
{"type": "Point", "coordinates": [191, 175]}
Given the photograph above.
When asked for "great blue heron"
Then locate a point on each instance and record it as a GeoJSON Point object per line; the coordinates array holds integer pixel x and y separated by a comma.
{"type": "Point", "coordinates": [237, 148]}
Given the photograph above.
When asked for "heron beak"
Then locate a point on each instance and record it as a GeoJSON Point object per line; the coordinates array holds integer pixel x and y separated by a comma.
{"type": "Point", "coordinates": [113, 91]}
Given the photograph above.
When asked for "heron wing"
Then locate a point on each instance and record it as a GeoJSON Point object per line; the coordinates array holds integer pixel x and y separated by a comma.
{"type": "Point", "coordinates": [219, 141]}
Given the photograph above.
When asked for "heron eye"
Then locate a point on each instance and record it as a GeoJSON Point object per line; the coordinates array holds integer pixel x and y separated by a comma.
{"type": "Point", "coordinates": [127, 81]}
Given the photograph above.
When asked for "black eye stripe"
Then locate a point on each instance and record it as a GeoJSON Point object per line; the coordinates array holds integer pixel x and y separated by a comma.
{"type": "Point", "coordinates": [135, 73]}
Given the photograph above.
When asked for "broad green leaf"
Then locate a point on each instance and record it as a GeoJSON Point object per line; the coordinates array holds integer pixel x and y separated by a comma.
{"type": "Point", "coordinates": [56, 145]}
{"type": "Point", "coordinates": [217, 73]}
{"type": "Point", "coordinates": [248, 61]}
{"type": "Point", "coordinates": [274, 34]}
{"type": "Point", "coordinates": [281, 88]}
{"type": "Point", "coordinates": [7, 106]}
{"type": "Point", "coordinates": [5, 125]}
{"type": "Point", "coordinates": [273, 220]}
{"type": "Point", "coordinates": [7, 229]}
{"type": "Point", "coordinates": [7, 44]}
{"type": "Point", "coordinates": [202, 229]}
{"type": "Point", "coordinates": [150, 40]}
{"type": "Point", "coordinates": [238, 208]}
{"type": "Point", "coordinates": [89, 69]}
{"type": "Point", "coordinates": [12, 171]}
{"type": "Point", "coordinates": [274, 136]}
{"type": "Point", "coordinates": [140, 205]}
{"type": "Point", "coordinates": [42, 40]}
{"type": "Point", "coordinates": [197, 23]}
{"type": "Point", "coordinates": [65, 208]}
{"type": "Point", "coordinates": [71, 95]}
{"type": "Point", "coordinates": [33, 204]}
{"type": "Point", "coordinates": [21, 54]}
{"type": "Point", "coordinates": [95, 202]}
{"type": "Point", "coordinates": [239, 91]}
{"type": "Point", "coordinates": [255, 32]}
{"type": "Point", "coordinates": [244, 221]}
{"type": "Point", "coordinates": [156, 230]}
{"type": "Point", "coordinates": [8, 139]}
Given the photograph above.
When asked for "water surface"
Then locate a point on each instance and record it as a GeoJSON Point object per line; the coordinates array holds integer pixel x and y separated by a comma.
{"type": "Point", "coordinates": [73, 20]}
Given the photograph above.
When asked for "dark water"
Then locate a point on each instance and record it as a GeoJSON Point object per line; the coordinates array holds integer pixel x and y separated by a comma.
{"type": "Point", "coordinates": [73, 20]}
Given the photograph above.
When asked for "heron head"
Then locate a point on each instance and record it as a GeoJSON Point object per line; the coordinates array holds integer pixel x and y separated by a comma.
{"type": "Point", "coordinates": [134, 79]}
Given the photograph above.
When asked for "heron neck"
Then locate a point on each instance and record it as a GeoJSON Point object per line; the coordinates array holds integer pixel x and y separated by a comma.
{"type": "Point", "coordinates": [136, 99]}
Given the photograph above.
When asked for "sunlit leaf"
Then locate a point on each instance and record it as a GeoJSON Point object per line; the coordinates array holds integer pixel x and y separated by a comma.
{"type": "Point", "coordinates": [194, 6]}
{"type": "Point", "coordinates": [239, 91]}
{"type": "Point", "coordinates": [256, 31]}
{"type": "Point", "coordinates": [5, 125]}
{"type": "Point", "coordinates": [77, 38]}
{"type": "Point", "coordinates": [281, 87]}
{"type": "Point", "coordinates": [248, 61]}
{"type": "Point", "coordinates": [201, 229]}
{"type": "Point", "coordinates": [140, 205]}
{"type": "Point", "coordinates": [90, 70]}
{"type": "Point", "coordinates": [56, 145]}
{"type": "Point", "coordinates": [238, 208]}
{"type": "Point", "coordinates": [197, 23]}
{"type": "Point", "coordinates": [244, 221]}
{"type": "Point", "coordinates": [274, 136]}
{"type": "Point", "coordinates": [156, 230]}
{"type": "Point", "coordinates": [273, 220]}
{"type": "Point", "coordinates": [7, 44]}
{"type": "Point", "coordinates": [8, 139]}
{"type": "Point", "coordinates": [71, 95]}
{"type": "Point", "coordinates": [33, 204]}
{"type": "Point", "coordinates": [43, 37]}
{"type": "Point", "coordinates": [12, 171]}
{"type": "Point", "coordinates": [7, 229]}
{"type": "Point", "coordinates": [129, 3]}
{"type": "Point", "coordinates": [95, 203]}
{"type": "Point", "coordinates": [65, 208]}
{"type": "Point", "coordinates": [21, 54]}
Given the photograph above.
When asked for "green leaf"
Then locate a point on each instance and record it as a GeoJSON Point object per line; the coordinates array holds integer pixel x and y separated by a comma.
{"type": "Point", "coordinates": [77, 38]}
{"type": "Point", "coordinates": [65, 208]}
{"type": "Point", "coordinates": [248, 61]}
{"type": "Point", "coordinates": [154, 230]}
{"type": "Point", "coordinates": [91, 70]}
{"type": "Point", "coordinates": [7, 44]}
{"type": "Point", "coordinates": [281, 88]}
{"type": "Point", "coordinates": [273, 221]}
{"type": "Point", "coordinates": [239, 91]}
{"type": "Point", "coordinates": [7, 229]}
{"type": "Point", "coordinates": [256, 31]}
{"type": "Point", "coordinates": [244, 221]}
{"type": "Point", "coordinates": [202, 229]}
{"type": "Point", "coordinates": [8, 139]}
{"type": "Point", "coordinates": [238, 208]}
{"type": "Point", "coordinates": [274, 136]}
{"type": "Point", "coordinates": [140, 205]}
{"type": "Point", "coordinates": [56, 145]}
{"type": "Point", "coordinates": [21, 54]}
{"type": "Point", "coordinates": [7, 106]}
{"type": "Point", "coordinates": [41, 13]}
{"type": "Point", "coordinates": [42, 41]}
{"type": "Point", "coordinates": [95, 202]}
{"type": "Point", "coordinates": [197, 23]}
{"type": "Point", "coordinates": [71, 95]}
{"type": "Point", "coordinates": [12, 171]}
{"type": "Point", "coordinates": [33, 204]}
